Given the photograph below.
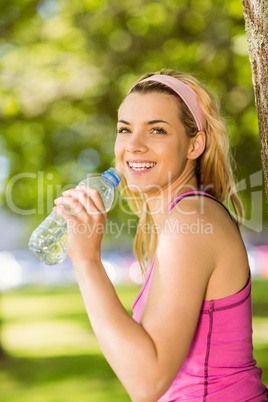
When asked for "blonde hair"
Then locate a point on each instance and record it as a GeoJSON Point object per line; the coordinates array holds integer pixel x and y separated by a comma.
{"type": "Point", "coordinates": [213, 168]}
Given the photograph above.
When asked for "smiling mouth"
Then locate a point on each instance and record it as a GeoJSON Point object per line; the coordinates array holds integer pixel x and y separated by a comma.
{"type": "Point", "coordinates": [138, 167]}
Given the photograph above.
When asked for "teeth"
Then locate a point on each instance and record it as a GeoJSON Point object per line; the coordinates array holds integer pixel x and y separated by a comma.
{"type": "Point", "coordinates": [141, 166]}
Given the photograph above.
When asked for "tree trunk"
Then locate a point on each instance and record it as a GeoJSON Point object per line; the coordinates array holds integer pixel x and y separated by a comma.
{"type": "Point", "coordinates": [256, 23]}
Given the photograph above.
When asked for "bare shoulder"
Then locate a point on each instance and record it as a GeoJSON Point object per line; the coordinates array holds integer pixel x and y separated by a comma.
{"type": "Point", "coordinates": [193, 215]}
{"type": "Point", "coordinates": [198, 248]}
{"type": "Point", "coordinates": [198, 215]}
{"type": "Point", "coordinates": [202, 226]}
{"type": "Point", "coordinates": [188, 234]}
{"type": "Point", "coordinates": [182, 270]}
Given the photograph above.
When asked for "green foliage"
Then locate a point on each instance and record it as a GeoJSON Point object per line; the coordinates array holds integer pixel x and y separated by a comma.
{"type": "Point", "coordinates": [66, 65]}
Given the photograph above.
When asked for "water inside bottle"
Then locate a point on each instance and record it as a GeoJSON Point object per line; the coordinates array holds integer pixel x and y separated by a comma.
{"type": "Point", "coordinates": [48, 241]}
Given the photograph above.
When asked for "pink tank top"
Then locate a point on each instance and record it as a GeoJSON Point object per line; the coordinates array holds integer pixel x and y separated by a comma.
{"type": "Point", "coordinates": [219, 366]}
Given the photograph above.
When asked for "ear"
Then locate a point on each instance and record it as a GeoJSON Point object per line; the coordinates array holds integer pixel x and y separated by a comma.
{"type": "Point", "coordinates": [197, 145]}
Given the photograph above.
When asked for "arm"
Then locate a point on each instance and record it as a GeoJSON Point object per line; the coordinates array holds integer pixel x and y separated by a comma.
{"type": "Point", "coordinates": [147, 356]}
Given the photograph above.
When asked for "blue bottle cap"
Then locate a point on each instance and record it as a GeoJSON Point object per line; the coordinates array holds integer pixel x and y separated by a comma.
{"type": "Point", "coordinates": [113, 176]}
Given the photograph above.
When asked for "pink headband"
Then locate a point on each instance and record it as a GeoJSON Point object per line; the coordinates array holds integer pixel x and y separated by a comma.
{"type": "Point", "coordinates": [186, 93]}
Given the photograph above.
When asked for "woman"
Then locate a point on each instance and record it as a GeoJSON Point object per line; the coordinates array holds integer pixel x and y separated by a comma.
{"type": "Point", "coordinates": [190, 336]}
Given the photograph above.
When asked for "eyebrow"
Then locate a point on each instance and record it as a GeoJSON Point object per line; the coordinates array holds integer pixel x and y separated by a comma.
{"type": "Point", "coordinates": [148, 122]}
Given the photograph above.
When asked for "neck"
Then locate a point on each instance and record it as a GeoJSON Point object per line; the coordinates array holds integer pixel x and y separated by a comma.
{"type": "Point", "coordinates": [159, 202]}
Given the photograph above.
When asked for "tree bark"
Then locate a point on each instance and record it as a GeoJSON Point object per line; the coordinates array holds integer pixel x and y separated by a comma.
{"type": "Point", "coordinates": [256, 24]}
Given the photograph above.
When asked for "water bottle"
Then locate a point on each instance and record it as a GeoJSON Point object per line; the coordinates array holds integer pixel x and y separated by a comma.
{"type": "Point", "coordinates": [48, 241]}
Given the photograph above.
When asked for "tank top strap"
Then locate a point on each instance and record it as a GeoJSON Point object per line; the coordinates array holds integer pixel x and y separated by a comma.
{"type": "Point", "coordinates": [203, 194]}
{"type": "Point", "coordinates": [139, 303]}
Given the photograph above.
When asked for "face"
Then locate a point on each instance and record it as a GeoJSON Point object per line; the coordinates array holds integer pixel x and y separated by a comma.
{"type": "Point", "coordinates": [151, 147]}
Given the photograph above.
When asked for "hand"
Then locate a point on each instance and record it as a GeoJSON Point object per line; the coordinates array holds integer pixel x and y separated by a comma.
{"type": "Point", "coordinates": [85, 214]}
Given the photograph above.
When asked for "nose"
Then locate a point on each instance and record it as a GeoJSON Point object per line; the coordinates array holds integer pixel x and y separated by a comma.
{"type": "Point", "coordinates": [136, 144]}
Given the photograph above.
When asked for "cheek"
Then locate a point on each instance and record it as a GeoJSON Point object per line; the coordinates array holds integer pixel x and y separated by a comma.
{"type": "Point", "coordinates": [118, 151]}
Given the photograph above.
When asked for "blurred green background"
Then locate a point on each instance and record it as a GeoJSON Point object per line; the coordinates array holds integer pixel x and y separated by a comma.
{"type": "Point", "coordinates": [65, 67]}
{"type": "Point", "coordinates": [54, 356]}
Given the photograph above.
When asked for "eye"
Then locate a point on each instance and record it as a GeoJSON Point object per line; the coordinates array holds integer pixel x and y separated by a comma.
{"type": "Point", "coordinates": [159, 130]}
{"type": "Point", "coordinates": [123, 130]}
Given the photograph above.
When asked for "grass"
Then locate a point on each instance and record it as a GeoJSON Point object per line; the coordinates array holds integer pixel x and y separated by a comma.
{"type": "Point", "coordinates": [53, 355]}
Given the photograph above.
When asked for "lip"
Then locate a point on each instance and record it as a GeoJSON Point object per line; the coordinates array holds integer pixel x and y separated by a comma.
{"type": "Point", "coordinates": [136, 172]}
{"type": "Point", "coordinates": [140, 161]}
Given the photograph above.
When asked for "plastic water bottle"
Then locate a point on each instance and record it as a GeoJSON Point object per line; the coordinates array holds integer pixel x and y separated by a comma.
{"type": "Point", "coordinates": [48, 241]}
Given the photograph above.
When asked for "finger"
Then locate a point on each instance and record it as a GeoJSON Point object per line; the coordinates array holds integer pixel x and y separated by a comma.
{"type": "Point", "coordinates": [71, 221]}
{"type": "Point", "coordinates": [88, 203]}
{"type": "Point", "coordinates": [72, 205]}
{"type": "Point", "coordinates": [63, 212]}
{"type": "Point", "coordinates": [90, 198]}
{"type": "Point", "coordinates": [90, 191]}
{"type": "Point", "coordinates": [72, 192]}
{"type": "Point", "coordinates": [83, 195]}
{"type": "Point", "coordinates": [94, 196]}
